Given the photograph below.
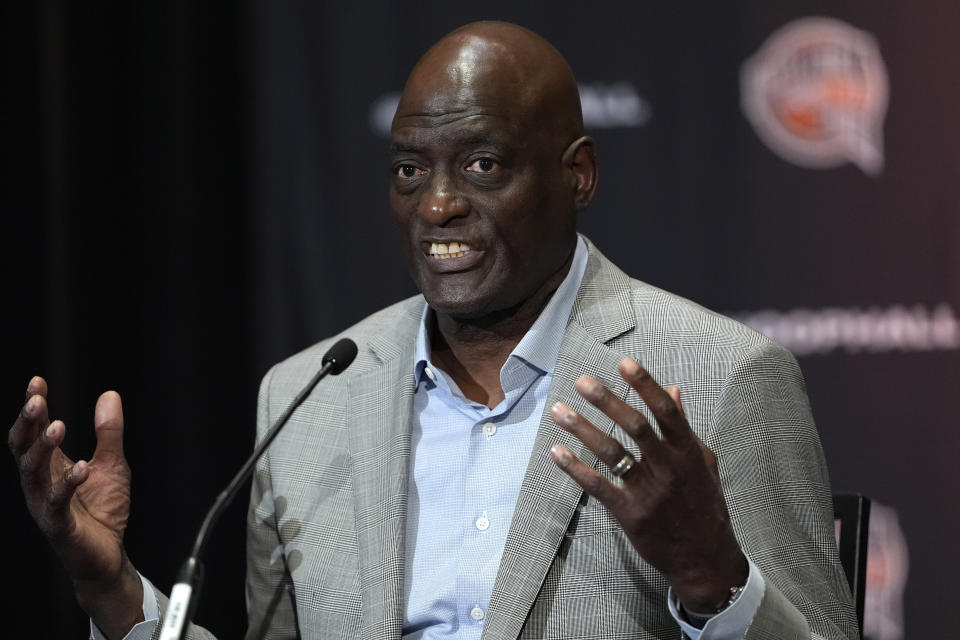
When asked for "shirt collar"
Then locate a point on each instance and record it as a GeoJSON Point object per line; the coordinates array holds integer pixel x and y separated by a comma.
{"type": "Point", "coordinates": [540, 346]}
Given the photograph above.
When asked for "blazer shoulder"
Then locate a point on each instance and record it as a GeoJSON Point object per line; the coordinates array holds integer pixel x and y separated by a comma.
{"type": "Point", "coordinates": [380, 335]}
{"type": "Point", "coordinates": [662, 315]}
{"type": "Point", "coordinates": [646, 317]}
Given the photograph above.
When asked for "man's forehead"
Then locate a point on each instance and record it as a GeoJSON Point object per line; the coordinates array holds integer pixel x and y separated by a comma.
{"type": "Point", "coordinates": [448, 109]}
{"type": "Point", "coordinates": [464, 93]}
{"type": "Point", "coordinates": [469, 127]}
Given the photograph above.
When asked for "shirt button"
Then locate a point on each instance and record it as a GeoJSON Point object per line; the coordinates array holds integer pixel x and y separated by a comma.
{"type": "Point", "coordinates": [483, 523]}
{"type": "Point", "coordinates": [430, 373]}
{"type": "Point", "coordinates": [476, 613]}
{"type": "Point", "coordinates": [489, 429]}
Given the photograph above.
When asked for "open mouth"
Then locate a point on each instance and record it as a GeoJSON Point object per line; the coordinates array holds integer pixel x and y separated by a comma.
{"type": "Point", "coordinates": [446, 250]}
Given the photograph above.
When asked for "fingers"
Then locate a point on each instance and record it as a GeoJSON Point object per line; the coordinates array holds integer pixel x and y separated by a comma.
{"type": "Point", "coordinates": [59, 494]}
{"type": "Point", "coordinates": [674, 392]}
{"type": "Point", "coordinates": [31, 421]}
{"type": "Point", "coordinates": [629, 419]}
{"type": "Point", "coordinates": [35, 465]}
{"type": "Point", "coordinates": [36, 460]}
{"type": "Point", "coordinates": [48, 477]}
{"type": "Point", "coordinates": [591, 480]}
{"type": "Point", "coordinates": [607, 449]}
{"type": "Point", "coordinates": [666, 406]}
{"type": "Point", "coordinates": [669, 415]}
{"type": "Point", "coordinates": [108, 423]}
{"type": "Point", "coordinates": [36, 386]}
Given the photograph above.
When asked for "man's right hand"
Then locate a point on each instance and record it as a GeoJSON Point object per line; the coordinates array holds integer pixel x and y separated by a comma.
{"type": "Point", "coordinates": [82, 508]}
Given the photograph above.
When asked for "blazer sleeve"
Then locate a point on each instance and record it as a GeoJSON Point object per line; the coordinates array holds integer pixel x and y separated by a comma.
{"type": "Point", "coordinates": [775, 482]}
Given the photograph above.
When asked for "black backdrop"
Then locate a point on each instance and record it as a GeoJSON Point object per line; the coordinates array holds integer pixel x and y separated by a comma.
{"type": "Point", "coordinates": [197, 191]}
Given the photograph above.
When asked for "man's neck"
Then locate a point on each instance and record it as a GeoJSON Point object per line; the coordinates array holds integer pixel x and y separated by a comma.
{"type": "Point", "coordinates": [472, 351]}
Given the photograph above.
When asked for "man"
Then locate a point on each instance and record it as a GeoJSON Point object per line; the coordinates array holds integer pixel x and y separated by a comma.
{"type": "Point", "coordinates": [497, 461]}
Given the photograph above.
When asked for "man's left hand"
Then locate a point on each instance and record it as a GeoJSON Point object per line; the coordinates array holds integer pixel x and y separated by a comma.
{"type": "Point", "coordinates": [669, 502]}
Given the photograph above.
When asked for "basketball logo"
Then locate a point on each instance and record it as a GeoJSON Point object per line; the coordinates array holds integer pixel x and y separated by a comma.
{"type": "Point", "coordinates": [816, 94]}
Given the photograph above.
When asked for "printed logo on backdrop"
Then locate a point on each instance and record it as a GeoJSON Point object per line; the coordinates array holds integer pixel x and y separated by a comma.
{"type": "Point", "coordinates": [811, 332]}
{"type": "Point", "coordinates": [816, 93]}
{"type": "Point", "coordinates": [605, 106]}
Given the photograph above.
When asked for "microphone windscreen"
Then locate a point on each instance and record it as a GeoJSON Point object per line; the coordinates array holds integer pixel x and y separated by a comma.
{"type": "Point", "coordinates": [341, 354]}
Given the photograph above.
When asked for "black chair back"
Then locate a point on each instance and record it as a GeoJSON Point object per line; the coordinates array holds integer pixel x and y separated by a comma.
{"type": "Point", "coordinates": [852, 513]}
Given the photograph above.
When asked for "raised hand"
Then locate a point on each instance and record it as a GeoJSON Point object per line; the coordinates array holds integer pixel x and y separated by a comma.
{"type": "Point", "coordinates": [82, 508]}
{"type": "Point", "coordinates": [669, 502]}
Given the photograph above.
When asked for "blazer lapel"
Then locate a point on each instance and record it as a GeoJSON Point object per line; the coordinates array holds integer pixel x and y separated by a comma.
{"type": "Point", "coordinates": [548, 496]}
{"type": "Point", "coordinates": [380, 404]}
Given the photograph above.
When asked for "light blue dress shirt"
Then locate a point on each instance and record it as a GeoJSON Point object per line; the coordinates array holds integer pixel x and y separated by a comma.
{"type": "Point", "coordinates": [466, 466]}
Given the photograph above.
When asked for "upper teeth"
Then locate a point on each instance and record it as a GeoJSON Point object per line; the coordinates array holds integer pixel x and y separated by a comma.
{"type": "Point", "coordinates": [451, 250]}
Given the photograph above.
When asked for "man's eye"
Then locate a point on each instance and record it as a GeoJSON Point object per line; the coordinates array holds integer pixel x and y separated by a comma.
{"type": "Point", "coordinates": [408, 171]}
{"type": "Point", "coordinates": [482, 165]}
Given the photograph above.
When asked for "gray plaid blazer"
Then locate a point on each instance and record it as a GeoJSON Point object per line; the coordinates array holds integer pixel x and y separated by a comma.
{"type": "Point", "coordinates": [326, 519]}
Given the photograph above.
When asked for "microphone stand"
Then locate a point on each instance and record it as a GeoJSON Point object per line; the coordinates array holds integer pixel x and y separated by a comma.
{"type": "Point", "coordinates": [183, 597]}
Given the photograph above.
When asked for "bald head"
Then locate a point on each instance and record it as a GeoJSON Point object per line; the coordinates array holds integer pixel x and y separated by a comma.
{"type": "Point", "coordinates": [499, 65]}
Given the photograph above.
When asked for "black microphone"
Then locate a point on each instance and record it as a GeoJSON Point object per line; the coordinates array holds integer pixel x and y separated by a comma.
{"type": "Point", "coordinates": [183, 597]}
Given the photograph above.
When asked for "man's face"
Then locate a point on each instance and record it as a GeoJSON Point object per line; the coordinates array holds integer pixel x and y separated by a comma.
{"type": "Point", "coordinates": [477, 191]}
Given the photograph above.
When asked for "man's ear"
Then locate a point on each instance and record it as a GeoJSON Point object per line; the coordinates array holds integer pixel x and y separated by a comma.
{"type": "Point", "coordinates": [580, 163]}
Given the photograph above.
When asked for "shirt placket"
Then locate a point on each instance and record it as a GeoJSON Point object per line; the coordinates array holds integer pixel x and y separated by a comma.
{"type": "Point", "coordinates": [490, 496]}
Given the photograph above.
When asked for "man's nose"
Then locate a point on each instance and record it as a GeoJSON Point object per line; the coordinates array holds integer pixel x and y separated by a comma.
{"type": "Point", "coordinates": [442, 201]}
